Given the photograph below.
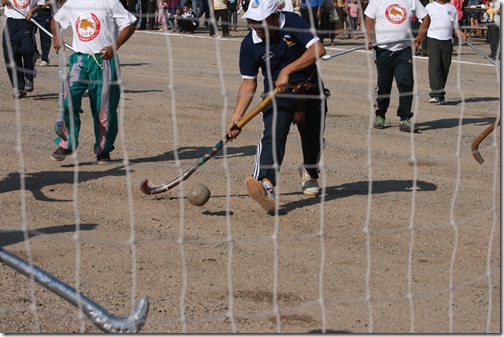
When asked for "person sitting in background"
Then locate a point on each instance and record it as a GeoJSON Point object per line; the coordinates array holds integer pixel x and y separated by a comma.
{"type": "Point", "coordinates": [488, 16]}
{"type": "Point", "coordinates": [187, 21]}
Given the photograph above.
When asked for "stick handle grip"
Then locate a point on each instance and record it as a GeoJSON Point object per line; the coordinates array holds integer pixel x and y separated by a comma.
{"type": "Point", "coordinates": [242, 122]}
{"type": "Point", "coordinates": [247, 118]}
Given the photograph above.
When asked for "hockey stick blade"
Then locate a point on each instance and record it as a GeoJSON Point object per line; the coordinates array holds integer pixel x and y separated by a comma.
{"type": "Point", "coordinates": [346, 51]}
{"type": "Point", "coordinates": [146, 186]}
{"type": "Point", "coordinates": [477, 141]}
{"type": "Point", "coordinates": [99, 316]}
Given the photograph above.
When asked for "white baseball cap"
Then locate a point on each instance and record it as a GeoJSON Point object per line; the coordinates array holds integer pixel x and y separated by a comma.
{"type": "Point", "coordinates": [259, 10]}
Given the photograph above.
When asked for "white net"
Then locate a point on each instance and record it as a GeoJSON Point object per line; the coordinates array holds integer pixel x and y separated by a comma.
{"type": "Point", "coordinates": [404, 238]}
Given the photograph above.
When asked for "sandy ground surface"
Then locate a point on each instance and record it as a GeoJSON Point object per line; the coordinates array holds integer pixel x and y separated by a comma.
{"type": "Point", "coordinates": [406, 236]}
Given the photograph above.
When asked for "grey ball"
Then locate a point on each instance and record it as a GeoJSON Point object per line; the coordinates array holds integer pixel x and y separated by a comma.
{"type": "Point", "coordinates": [198, 195]}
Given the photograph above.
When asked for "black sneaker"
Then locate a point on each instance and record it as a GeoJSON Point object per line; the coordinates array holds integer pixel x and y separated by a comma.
{"type": "Point", "coordinates": [18, 93]}
{"type": "Point", "coordinates": [28, 85]}
{"type": "Point", "coordinates": [103, 158]}
{"type": "Point", "coordinates": [60, 154]}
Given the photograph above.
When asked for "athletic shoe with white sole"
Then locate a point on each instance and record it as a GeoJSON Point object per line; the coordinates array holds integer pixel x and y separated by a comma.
{"type": "Point", "coordinates": [28, 85]}
{"type": "Point", "coordinates": [309, 185]}
{"type": "Point", "coordinates": [408, 126]}
{"type": "Point", "coordinates": [44, 63]}
{"type": "Point", "coordinates": [261, 192]}
{"type": "Point", "coordinates": [18, 93]}
{"type": "Point", "coordinates": [379, 122]}
{"type": "Point", "coordinates": [434, 100]}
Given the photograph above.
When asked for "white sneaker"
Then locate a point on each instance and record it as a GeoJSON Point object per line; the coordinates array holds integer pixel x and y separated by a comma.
{"type": "Point", "coordinates": [434, 100]}
{"type": "Point", "coordinates": [309, 185]}
{"type": "Point", "coordinates": [261, 192]}
{"type": "Point", "coordinates": [44, 63]}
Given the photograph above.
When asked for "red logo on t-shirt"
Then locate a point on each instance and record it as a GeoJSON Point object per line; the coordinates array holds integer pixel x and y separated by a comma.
{"type": "Point", "coordinates": [87, 28]}
{"type": "Point", "coordinates": [21, 4]}
{"type": "Point", "coordinates": [396, 14]}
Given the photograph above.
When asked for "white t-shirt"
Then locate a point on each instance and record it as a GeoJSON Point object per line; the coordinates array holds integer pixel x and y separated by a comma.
{"type": "Point", "coordinates": [497, 16]}
{"type": "Point", "coordinates": [443, 18]}
{"type": "Point", "coordinates": [393, 21]}
{"type": "Point", "coordinates": [95, 23]}
{"type": "Point", "coordinates": [288, 6]}
{"type": "Point", "coordinates": [22, 5]}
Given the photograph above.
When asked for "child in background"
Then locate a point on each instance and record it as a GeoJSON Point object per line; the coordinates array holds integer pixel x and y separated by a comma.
{"type": "Point", "coordinates": [488, 16]}
{"type": "Point", "coordinates": [187, 21]}
{"type": "Point", "coordinates": [163, 15]}
{"type": "Point", "coordinates": [353, 9]}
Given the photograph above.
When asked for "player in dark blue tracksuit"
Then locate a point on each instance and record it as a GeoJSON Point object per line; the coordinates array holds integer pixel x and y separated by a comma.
{"type": "Point", "coordinates": [285, 53]}
{"type": "Point", "coordinates": [18, 41]}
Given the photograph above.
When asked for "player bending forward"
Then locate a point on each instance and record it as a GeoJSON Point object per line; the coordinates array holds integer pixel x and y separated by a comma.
{"type": "Point", "coordinates": [100, 28]}
{"type": "Point", "coordinates": [281, 45]}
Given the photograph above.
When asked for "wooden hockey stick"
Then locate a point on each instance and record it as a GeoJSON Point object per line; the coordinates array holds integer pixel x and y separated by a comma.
{"type": "Point", "coordinates": [147, 188]}
{"type": "Point", "coordinates": [475, 144]}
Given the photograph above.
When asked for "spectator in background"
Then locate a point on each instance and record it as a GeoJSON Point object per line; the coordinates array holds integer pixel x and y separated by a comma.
{"type": "Point", "coordinates": [474, 17]}
{"type": "Point", "coordinates": [459, 5]}
{"type": "Point", "coordinates": [232, 7]}
{"type": "Point", "coordinates": [328, 21]}
{"type": "Point", "coordinates": [488, 16]}
{"type": "Point", "coordinates": [205, 9]}
{"type": "Point", "coordinates": [220, 11]}
{"type": "Point", "coordinates": [494, 32]}
{"type": "Point", "coordinates": [151, 14]}
{"type": "Point", "coordinates": [172, 12]}
{"type": "Point", "coordinates": [163, 15]}
{"type": "Point", "coordinates": [341, 11]}
{"type": "Point", "coordinates": [285, 5]}
{"type": "Point", "coordinates": [353, 14]}
{"type": "Point", "coordinates": [442, 22]}
{"type": "Point", "coordinates": [187, 22]}
{"type": "Point", "coordinates": [311, 11]}
{"type": "Point", "coordinates": [44, 16]}
{"type": "Point", "coordinates": [138, 13]}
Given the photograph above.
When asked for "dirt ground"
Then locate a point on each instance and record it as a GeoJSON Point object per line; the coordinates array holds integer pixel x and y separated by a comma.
{"type": "Point", "coordinates": [405, 238]}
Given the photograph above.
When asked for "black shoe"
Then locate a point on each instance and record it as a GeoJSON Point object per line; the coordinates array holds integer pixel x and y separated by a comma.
{"type": "Point", "coordinates": [19, 93]}
{"type": "Point", "coordinates": [60, 154]}
{"type": "Point", "coordinates": [103, 158]}
{"type": "Point", "coordinates": [28, 85]}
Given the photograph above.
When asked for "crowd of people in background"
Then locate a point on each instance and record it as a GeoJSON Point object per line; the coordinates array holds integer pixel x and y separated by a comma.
{"type": "Point", "coordinates": [331, 19]}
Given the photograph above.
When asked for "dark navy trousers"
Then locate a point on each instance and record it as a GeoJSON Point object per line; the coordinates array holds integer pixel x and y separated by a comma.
{"type": "Point", "coordinates": [44, 19]}
{"type": "Point", "coordinates": [396, 65]}
{"type": "Point", "coordinates": [271, 149]}
{"type": "Point", "coordinates": [18, 35]}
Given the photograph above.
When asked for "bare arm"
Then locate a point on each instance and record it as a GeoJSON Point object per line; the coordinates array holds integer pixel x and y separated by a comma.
{"type": "Point", "coordinates": [245, 96]}
{"type": "Point", "coordinates": [31, 11]}
{"type": "Point", "coordinates": [55, 27]}
{"type": "Point", "coordinates": [460, 33]}
{"type": "Point", "coordinates": [124, 35]}
{"type": "Point", "coordinates": [370, 26]}
{"type": "Point", "coordinates": [422, 32]}
{"type": "Point", "coordinates": [309, 57]}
